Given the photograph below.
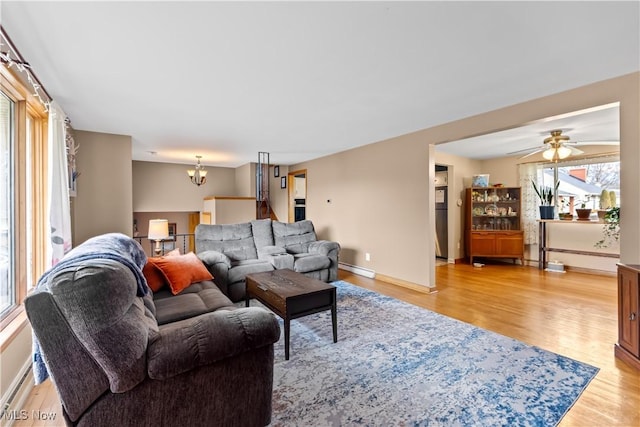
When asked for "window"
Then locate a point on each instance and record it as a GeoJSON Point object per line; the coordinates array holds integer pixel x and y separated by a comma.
{"type": "Point", "coordinates": [582, 182]}
{"type": "Point", "coordinates": [23, 154]}
{"type": "Point", "coordinates": [7, 253]}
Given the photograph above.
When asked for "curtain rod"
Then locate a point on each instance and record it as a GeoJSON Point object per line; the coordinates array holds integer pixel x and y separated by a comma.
{"type": "Point", "coordinates": [22, 66]}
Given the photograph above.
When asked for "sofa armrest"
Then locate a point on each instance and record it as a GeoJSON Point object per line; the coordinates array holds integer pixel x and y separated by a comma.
{"type": "Point", "coordinates": [277, 256]}
{"type": "Point", "coordinates": [325, 247]}
{"type": "Point", "coordinates": [188, 344]}
{"type": "Point", "coordinates": [218, 265]}
{"type": "Point", "coordinates": [211, 258]}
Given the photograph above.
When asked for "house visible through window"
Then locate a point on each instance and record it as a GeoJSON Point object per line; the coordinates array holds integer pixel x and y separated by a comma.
{"type": "Point", "coordinates": [582, 182]}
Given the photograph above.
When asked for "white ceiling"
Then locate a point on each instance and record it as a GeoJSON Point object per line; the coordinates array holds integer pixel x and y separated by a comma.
{"type": "Point", "coordinates": [306, 79]}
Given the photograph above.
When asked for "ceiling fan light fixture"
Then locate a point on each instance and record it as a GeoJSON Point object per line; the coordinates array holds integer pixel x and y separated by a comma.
{"type": "Point", "coordinates": [563, 152]}
{"type": "Point", "coordinates": [556, 153]}
{"type": "Point", "coordinates": [557, 150]}
{"type": "Point", "coordinates": [549, 153]}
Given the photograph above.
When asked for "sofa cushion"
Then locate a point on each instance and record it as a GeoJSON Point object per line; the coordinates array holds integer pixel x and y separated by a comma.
{"type": "Point", "coordinates": [181, 271]}
{"type": "Point", "coordinates": [233, 240]}
{"type": "Point", "coordinates": [201, 297]}
{"type": "Point", "coordinates": [303, 263]}
{"type": "Point", "coordinates": [262, 233]}
{"type": "Point", "coordinates": [239, 269]}
{"type": "Point", "coordinates": [294, 237]}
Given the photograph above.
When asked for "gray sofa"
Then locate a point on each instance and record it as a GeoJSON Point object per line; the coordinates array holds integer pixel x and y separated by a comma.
{"type": "Point", "coordinates": [117, 358]}
{"type": "Point", "coordinates": [231, 251]}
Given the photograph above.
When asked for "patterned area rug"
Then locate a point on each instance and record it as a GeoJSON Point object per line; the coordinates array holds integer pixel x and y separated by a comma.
{"type": "Point", "coordinates": [396, 364]}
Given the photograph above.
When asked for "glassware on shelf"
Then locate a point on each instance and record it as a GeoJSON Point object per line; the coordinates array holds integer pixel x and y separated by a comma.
{"type": "Point", "coordinates": [491, 210]}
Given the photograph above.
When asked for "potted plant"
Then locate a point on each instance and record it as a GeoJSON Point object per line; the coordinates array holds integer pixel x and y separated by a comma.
{"type": "Point", "coordinates": [583, 212]}
{"type": "Point", "coordinates": [605, 203]}
{"type": "Point", "coordinates": [611, 228]}
{"type": "Point", "coordinates": [612, 199]}
{"type": "Point", "coordinates": [564, 210]}
{"type": "Point", "coordinates": [545, 194]}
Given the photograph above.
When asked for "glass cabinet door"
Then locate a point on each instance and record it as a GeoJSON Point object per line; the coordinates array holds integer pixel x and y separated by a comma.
{"type": "Point", "coordinates": [495, 208]}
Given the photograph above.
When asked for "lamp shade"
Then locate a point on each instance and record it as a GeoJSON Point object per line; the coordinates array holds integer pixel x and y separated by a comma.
{"type": "Point", "coordinates": [158, 229]}
{"type": "Point", "coordinates": [549, 153]}
{"type": "Point", "coordinates": [564, 152]}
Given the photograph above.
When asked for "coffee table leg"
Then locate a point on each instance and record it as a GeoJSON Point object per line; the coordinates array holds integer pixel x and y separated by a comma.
{"type": "Point", "coordinates": [286, 338]}
{"type": "Point", "coordinates": [246, 300]}
{"type": "Point", "coordinates": [334, 319]}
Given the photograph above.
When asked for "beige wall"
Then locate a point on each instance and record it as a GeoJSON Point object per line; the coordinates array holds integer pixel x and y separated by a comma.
{"type": "Point", "coordinates": [279, 196]}
{"type": "Point", "coordinates": [378, 203]}
{"type": "Point", "coordinates": [165, 187]}
{"type": "Point", "coordinates": [104, 188]}
{"type": "Point", "coordinates": [230, 210]}
{"type": "Point", "coordinates": [381, 194]}
{"type": "Point", "coordinates": [245, 181]}
{"type": "Point", "coordinates": [503, 170]}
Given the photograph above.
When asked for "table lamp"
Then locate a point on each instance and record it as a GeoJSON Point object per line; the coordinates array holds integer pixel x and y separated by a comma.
{"type": "Point", "coordinates": [158, 231]}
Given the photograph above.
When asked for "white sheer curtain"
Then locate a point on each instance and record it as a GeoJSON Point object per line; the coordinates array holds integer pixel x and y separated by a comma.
{"type": "Point", "coordinates": [529, 172]}
{"type": "Point", "coordinates": [59, 209]}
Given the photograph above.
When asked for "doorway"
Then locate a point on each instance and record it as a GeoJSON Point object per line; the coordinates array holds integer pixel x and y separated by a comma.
{"type": "Point", "coordinates": [441, 184]}
{"type": "Point", "coordinates": [297, 191]}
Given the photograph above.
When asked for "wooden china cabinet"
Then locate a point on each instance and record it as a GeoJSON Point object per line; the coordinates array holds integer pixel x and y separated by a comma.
{"type": "Point", "coordinates": [493, 226]}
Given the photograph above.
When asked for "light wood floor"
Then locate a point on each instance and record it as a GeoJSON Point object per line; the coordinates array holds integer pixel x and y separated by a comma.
{"type": "Point", "coordinates": [573, 314]}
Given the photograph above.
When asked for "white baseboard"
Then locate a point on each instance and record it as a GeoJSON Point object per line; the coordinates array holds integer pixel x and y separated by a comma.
{"type": "Point", "coordinates": [16, 396]}
{"type": "Point", "coordinates": [360, 271]}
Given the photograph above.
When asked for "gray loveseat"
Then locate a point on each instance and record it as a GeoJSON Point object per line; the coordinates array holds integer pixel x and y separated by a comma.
{"type": "Point", "coordinates": [231, 251]}
{"type": "Point", "coordinates": [120, 359]}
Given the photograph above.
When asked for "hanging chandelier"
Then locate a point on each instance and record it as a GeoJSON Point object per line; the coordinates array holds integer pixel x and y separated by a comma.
{"type": "Point", "coordinates": [198, 175]}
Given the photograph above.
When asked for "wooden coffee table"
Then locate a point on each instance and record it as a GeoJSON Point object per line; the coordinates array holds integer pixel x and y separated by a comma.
{"type": "Point", "coordinates": [291, 295]}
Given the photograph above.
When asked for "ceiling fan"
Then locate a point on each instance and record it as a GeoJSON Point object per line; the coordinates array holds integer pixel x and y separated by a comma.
{"type": "Point", "coordinates": [555, 147]}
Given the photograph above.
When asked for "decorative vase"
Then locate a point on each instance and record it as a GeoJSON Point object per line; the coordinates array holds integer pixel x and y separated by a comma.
{"type": "Point", "coordinates": [583, 214]}
{"type": "Point", "coordinates": [547, 212]}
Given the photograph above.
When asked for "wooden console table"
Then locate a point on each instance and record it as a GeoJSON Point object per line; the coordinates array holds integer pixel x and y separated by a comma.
{"type": "Point", "coordinates": [542, 242]}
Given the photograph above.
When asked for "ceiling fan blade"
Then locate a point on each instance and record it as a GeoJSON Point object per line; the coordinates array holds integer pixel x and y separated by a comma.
{"type": "Point", "coordinates": [532, 153]}
{"type": "Point", "coordinates": [524, 150]}
{"type": "Point", "coordinates": [610, 142]}
{"type": "Point", "coordinates": [575, 151]}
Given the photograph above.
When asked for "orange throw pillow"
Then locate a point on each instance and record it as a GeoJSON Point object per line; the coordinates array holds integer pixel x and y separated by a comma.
{"type": "Point", "coordinates": [155, 278]}
{"type": "Point", "coordinates": [181, 271]}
